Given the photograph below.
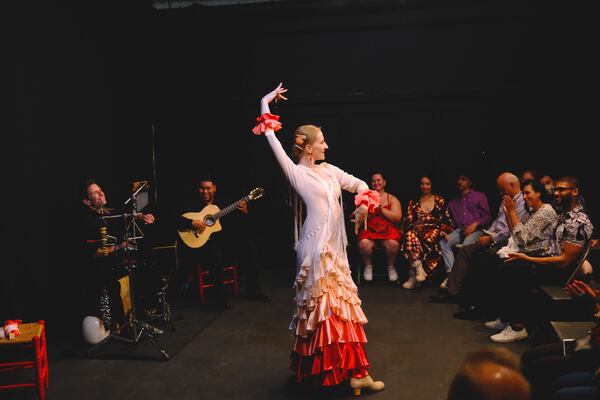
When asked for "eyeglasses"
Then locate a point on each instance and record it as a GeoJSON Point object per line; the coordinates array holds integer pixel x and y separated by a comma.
{"type": "Point", "coordinates": [561, 189]}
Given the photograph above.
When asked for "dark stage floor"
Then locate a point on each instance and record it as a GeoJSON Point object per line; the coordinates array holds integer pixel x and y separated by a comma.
{"type": "Point", "coordinates": [414, 346]}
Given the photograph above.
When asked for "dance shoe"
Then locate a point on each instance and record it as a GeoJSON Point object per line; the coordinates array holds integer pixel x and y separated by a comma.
{"type": "Point", "coordinates": [366, 383]}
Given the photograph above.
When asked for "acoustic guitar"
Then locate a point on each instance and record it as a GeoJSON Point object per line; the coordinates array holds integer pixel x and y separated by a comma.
{"type": "Point", "coordinates": [211, 215]}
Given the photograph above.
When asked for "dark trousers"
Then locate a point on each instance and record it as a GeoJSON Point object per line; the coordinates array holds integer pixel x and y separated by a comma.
{"type": "Point", "coordinates": [248, 260]}
{"type": "Point", "coordinates": [220, 251]}
{"type": "Point", "coordinates": [512, 298]}
{"type": "Point", "coordinates": [577, 386]}
{"type": "Point", "coordinates": [544, 364]}
{"type": "Point", "coordinates": [211, 257]}
{"type": "Point", "coordinates": [470, 274]}
{"type": "Point", "coordinates": [511, 292]}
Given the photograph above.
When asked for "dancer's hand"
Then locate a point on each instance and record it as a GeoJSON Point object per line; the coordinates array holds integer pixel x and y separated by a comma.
{"type": "Point", "coordinates": [360, 216]}
{"type": "Point", "coordinates": [275, 94]}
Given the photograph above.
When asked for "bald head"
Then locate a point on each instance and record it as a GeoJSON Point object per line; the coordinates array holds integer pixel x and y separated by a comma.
{"type": "Point", "coordinates": [508, 184]}
{"type": "Point", "coordinates": [490, 374]}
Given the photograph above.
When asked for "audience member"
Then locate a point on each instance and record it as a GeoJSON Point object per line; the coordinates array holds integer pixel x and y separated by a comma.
{"type": "Point", "coordinates": [489, 374]}
{"type": "Point", "coordinates": [548, 183]}
{"type": "Point", "coordinates": [382, 229]}
{"type": "Point", "coordinates": [571, 234]}
{"type": "Point", "coordinates": [530, 236]}
{"type": "Point", "coordinates": [548, 363]}
{"type": "Point", "coordinates": [486, 246]}
{"type": "Point", "coordinates": [469, 212]}
{"type": "Point", "coordinates": [426, 219]}
{"type": "Point", "coordinates": [529, 175]}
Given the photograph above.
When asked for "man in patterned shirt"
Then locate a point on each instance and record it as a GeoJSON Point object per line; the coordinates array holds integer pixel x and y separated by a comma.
{"type": "Point", "coordinates": [571, 234]}
{"type": "Point", "coordinates": [570, 237]}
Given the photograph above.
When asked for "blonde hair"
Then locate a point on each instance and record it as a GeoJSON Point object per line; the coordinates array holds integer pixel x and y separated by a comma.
{"type": "Point", "coordinates": [304, 135]}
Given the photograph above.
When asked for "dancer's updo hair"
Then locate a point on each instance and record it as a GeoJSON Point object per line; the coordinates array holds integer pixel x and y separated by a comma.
{"type": "Point", "coordinates": [305, 134]}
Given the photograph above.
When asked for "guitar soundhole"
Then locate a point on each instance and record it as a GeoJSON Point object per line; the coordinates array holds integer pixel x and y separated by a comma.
{"type": "Point", "coordinates": [209, 220]}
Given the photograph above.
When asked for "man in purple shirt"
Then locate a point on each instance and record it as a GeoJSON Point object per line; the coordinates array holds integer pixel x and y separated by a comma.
{"type": "Point", "coordinates": [486, 245]}
{"type": "Point", "coordinates": [470, 212]}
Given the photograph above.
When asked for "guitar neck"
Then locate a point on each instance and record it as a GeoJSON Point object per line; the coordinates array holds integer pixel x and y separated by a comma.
{"type": "Point", "coordinates": [229, 208]}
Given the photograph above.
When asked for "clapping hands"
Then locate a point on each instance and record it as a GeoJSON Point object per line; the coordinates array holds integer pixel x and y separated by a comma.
{"type": "Point", "coordinates": [509, 204]}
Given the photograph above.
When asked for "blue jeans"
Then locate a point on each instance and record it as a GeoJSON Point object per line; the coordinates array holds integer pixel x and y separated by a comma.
{"type": "Point", "coordinates": [576, 386]}
{"type": "Point", "coordinates": [453, 239]}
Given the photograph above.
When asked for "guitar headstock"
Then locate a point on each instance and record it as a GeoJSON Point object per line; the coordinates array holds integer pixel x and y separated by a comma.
{"type": "Point", "coordinates": [256, 193]}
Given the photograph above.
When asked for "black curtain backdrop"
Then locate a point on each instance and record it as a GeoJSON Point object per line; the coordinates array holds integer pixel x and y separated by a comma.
{"type": "Point", "coordinates": [123, 92]}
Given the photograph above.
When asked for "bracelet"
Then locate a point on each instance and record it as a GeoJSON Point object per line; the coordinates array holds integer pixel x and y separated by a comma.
{"type": "Point", "coordinates": [266, 121]}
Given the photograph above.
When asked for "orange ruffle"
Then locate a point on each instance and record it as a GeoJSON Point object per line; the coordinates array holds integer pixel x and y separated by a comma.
{"type": "Point", "coordinates": [333, 353]}
{"type": "Point", "coordinates": [333, 294]}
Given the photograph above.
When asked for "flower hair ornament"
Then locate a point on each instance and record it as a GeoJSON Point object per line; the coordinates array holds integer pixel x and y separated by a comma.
{"type": "Point", "coordinates": [266, 121]}
{"type": "Point", "coordinates": [300, 138]}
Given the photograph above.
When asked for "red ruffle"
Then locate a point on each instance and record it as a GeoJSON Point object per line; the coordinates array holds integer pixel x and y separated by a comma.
{"type": "Point", "coordinates": [265, 122]}
{"type": "Point", "coordinates": [334, 352]}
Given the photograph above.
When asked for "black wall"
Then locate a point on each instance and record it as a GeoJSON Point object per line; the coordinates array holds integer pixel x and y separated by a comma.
{"type": "Point", "coordinates": [406, 87]}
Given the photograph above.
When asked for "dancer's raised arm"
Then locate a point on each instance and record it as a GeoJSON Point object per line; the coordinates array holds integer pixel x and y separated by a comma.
{"type": "Point", "coordinates": [267, 123]}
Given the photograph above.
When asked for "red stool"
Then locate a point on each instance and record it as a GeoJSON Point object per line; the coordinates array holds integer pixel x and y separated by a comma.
{"type": "Point", "coordinates": [232, 281]}
{"type": "Point", "coordinates": [32, 335]}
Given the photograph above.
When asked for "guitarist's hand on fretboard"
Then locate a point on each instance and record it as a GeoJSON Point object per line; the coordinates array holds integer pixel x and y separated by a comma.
{"type": "Point", "coordinates": [243, 206]}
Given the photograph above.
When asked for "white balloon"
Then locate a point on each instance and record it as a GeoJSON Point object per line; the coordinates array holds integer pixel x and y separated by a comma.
{"type": "Point", "coordinates": [93, 330]}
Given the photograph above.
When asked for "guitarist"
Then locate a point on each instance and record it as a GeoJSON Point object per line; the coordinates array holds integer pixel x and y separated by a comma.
{"type": "Point", "coordinates": [232, 240]}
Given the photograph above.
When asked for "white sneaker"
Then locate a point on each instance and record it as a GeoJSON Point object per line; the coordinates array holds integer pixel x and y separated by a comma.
{"type": "Point", "coordinates": [420, 272]}
{"type": "Point", "coordinates": [392, 275]}
{"type": "Point", "coordinates": [411, 283]}
{"type": "Point", "coordinates": [496, 324]}
{"type": "Point", "coordinates": [509, 335]}
{"type": "Point", "coordinates": [368, 273]}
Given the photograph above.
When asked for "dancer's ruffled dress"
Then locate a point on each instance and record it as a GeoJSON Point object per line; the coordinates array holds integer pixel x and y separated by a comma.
{"type": "Point", "coordinates": [328, 318]}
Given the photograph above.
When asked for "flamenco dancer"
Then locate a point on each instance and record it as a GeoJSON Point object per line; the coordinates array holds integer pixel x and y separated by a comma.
{"type": "Point", "coordinates": [328, 318]}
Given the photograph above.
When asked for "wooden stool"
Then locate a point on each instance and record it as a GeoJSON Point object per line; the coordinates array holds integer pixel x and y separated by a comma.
{"type": "Point", "coordinates": [232, 281]}
{"type": "Point", "coordinates": [32, 335]}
